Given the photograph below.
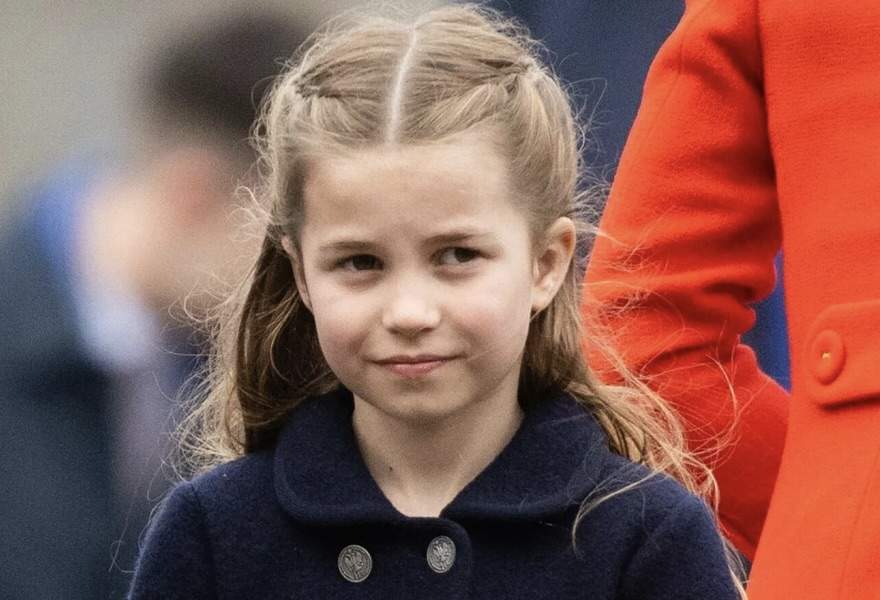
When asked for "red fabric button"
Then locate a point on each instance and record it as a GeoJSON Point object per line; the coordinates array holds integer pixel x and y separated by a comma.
{"type": "Point", "coordinates": [827, 356]}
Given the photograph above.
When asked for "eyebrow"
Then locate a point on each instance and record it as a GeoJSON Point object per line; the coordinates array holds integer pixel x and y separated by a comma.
{"type": "Point", "coordinates": [448, 237]}
{"type": "Point", "coordinates": [345, 246]}
{"type": "Point", "coordinates": [459, 235]}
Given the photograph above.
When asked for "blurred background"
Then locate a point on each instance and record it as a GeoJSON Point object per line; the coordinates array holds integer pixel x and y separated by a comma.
{"type": "Point", "coordinates": [123, 133]}
{"type": "Point", "coordinates": [69, 68]}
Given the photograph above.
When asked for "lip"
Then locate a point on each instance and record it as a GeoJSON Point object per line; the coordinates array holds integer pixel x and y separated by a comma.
{"type": "Point", "coordinates": [414, 366]}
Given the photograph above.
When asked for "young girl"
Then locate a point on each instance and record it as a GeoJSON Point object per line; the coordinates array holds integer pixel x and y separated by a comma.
{"type": "Point", "coordinates": [402, 388]}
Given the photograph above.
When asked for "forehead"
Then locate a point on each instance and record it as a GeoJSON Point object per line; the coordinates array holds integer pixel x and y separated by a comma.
{"type": "Point", "coordinates": [408, 189]}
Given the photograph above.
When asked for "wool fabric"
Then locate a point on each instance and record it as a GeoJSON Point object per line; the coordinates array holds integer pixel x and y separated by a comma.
{"type": "Point", "coordinates": [273, 524]}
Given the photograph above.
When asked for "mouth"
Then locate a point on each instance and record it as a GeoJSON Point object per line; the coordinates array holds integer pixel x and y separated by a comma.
{"type": "Point", "coordinates": [414, 367]}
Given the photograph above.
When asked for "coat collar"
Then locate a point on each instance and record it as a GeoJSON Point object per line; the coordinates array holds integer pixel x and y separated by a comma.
{"type": "Point", "coordinates": [552, 463]}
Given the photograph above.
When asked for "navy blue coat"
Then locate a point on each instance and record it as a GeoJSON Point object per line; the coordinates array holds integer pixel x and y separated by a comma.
{"type": "Point", "coordinates": [272, 524]}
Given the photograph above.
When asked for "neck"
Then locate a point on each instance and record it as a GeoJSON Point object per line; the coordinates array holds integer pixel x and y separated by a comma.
{"type": "Point", "coordinates": [421, 467]}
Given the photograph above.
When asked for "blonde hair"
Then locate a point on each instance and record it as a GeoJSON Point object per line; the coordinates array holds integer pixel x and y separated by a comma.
{"type": "Point", "coordinates": [378, 81]}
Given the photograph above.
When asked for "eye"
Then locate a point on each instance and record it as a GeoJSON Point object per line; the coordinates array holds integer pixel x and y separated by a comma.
{"type": "Point", "coordinates": [458, 255]}
{"type": "Point", "coordinates": [359, 262]}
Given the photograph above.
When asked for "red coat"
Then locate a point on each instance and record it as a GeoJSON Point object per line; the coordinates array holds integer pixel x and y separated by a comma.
{"type": "Point", "coordinates": [761, 122]}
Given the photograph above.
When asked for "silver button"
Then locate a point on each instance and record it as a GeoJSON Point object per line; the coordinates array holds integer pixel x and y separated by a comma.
{"type": "Point", "coordinates": [441, 554]}
{"type": "Point", "coordinates": [355, 563]}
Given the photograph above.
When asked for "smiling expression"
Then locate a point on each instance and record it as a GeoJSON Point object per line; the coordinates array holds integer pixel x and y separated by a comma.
{"type": "Point", "coordinates": [418, 270]}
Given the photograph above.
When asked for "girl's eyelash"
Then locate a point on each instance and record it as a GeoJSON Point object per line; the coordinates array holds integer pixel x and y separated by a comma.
{"type": "Point", "coordinates": [343, 262]}
{"type": "Point", "coordinates": [471, 254]}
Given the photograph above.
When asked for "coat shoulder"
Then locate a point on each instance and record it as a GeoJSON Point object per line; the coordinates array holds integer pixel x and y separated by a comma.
{"type": "Point", "coordinates": [631, 503]}
{"type": "Point", "coordinates": [665, 539]}
{"type": "Point", "coordinates": [641, 492]}
{"type": "Point", "coordinates": [244, 482]}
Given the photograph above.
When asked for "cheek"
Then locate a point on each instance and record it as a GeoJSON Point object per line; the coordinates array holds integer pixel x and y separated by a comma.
{"type": "Point", "coordinates": [342, 322]}
{"type": "Point", "coordinates": [498, 313]}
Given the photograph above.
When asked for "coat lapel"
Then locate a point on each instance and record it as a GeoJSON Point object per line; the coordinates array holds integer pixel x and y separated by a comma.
{"type": "Point", "coordinates": [552, 463]}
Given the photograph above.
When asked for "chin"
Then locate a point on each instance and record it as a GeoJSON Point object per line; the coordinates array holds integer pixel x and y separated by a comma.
{"type": "Point", "coordinates": [420, 408]}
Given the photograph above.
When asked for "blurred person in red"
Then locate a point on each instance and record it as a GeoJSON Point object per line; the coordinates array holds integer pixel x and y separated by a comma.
{"type": "Point", "coordinates": [92, 358]}
{"type": "Point", "coordinates": [759, 131]}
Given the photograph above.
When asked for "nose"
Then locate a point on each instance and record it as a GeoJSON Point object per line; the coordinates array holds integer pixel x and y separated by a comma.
{"type": "Point", "coordinates": [410, 310]}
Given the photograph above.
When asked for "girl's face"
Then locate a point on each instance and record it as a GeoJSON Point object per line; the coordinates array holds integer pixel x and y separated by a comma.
{"type": "Point", "coordinates": [418, 270]}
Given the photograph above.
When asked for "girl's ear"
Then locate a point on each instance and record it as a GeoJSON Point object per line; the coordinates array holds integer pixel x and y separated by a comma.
{"type": "Point", "coordinates": [552, 262]}
{"type": "Point", "coordinates": [298, 273]}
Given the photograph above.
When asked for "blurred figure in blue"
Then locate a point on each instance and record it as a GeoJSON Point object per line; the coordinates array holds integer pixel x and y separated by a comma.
{"type": "Point", "coordinates": [92, 358]}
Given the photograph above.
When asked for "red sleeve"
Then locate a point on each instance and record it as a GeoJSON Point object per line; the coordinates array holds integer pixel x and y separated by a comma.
{"type": "Point", "coordinates": [689, 237]}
